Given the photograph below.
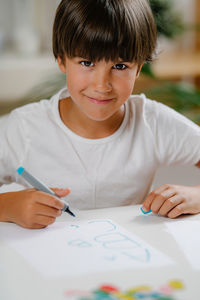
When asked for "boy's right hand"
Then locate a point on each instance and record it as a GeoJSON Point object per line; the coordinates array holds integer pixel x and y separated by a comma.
{"type": "Point", "coordinates": [31, 208]}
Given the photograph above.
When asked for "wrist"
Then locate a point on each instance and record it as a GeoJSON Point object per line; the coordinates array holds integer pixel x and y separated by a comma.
{"type": "Point", "coordinates": [4, 208]}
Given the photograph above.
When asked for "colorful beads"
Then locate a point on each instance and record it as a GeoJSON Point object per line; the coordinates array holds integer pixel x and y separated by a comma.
{"type": "Point", "coordinates": [110, 292]}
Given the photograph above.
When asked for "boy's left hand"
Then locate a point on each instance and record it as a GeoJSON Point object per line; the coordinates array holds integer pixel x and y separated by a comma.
{"type": "Point", "coordinates": [173, 200]}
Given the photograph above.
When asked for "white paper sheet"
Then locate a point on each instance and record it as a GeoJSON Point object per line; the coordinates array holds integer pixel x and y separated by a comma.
{"type": "Point", "coordinates": [77, 248]}
{"type": "Point", "coordinates": [187, 235]}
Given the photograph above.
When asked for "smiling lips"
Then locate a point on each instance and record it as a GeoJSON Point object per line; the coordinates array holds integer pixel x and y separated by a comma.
{"type": "Point", "coordinates": [98, 101]}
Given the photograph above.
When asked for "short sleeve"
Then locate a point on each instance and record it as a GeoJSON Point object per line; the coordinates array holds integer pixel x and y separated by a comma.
{"type": "Point", "coordinates": [12, 147]}
{"type": "Point", "coordinates": [177, 139]}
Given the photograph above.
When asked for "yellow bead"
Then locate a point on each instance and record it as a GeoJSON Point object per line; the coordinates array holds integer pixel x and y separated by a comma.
{"type": "Point", "coordinates": [176, 284]}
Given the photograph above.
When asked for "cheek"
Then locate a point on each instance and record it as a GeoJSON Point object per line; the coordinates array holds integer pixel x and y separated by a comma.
{"type": "Point", "coordinates": [75, 82]}
{"type": "Point", "coordinates": [125, 84]}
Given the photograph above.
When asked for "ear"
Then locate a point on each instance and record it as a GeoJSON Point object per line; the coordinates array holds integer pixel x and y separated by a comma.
{"type": "Point", "coordinates": [61, 64]}
{"type": "Point", "coordinates": [139, 69]}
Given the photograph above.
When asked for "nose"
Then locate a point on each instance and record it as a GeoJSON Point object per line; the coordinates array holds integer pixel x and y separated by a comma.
{"type": "Point", "coordinates": [102, 81]}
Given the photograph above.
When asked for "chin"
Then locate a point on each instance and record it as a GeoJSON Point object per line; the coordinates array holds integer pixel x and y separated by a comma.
{"type": "Point", "coordinates": [98, 118]}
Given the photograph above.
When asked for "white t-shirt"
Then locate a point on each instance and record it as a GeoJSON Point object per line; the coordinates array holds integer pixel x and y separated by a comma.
{"type": "Point", "coordinates": [112, 171]}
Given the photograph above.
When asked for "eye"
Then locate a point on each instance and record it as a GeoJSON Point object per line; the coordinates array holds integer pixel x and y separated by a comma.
{"type": "Point", "coordinates": [120, 67]}
{"type": "Point", "coordinates": [86, 63]}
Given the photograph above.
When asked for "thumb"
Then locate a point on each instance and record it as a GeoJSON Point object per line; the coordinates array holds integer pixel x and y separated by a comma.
{"type": "Point", "coordinates": [61, 192]}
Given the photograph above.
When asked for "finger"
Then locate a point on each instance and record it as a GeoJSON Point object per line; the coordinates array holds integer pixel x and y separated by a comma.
{"type": "Point", "coordinates": [148, 201]}
{"type": "Point", "coordinates": [44, 220]}
{"type": "Point", "coordinates": [178, 210]}
{"type": "Point", "coordinates": [169, 204]}
{"type": "Point", "coordinates": [49, 200]}
{"type": "Point", "coordinates": [37, 226]}
{"type": "Point", "coordinates": [44, 210]}
{"type": "Point", "coordinates": [61, 192]}
{"type": "Point", "coordinates": [160, 199]}
{"type": "Point", "coordinates": [34, 226]}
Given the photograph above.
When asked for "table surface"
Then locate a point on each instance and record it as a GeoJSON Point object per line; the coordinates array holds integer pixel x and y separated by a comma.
{"type": "Point", "coordinates": [20, 281]}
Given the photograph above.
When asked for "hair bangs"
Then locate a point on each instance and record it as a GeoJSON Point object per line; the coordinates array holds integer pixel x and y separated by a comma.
{"type": "Point", "coordinates": [105, 30]}
{"type": "Point", "coordinates": [103, 41]}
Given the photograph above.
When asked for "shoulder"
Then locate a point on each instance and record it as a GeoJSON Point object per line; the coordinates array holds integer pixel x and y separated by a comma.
{"type": "Point", "coordinates": [176, 138]}
{"type": "Point", "coordinates": [37, 111]}
{"type": "Point", "coordinates": [143, 109]}
{"type": "Point", "coordinates": [31, 109]}
{"type": "Point", "coordinates": [33, 117]}
{"type": "Point", "coordinates": [155, 113]}
{"type": "Point", "coordinates": [141, 104]}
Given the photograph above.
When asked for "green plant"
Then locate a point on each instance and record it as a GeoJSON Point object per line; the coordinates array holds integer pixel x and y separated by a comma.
{"type": "Point", "coordinates": [168, 21]}
{"type": "Point", "coordinates": [183, 97]}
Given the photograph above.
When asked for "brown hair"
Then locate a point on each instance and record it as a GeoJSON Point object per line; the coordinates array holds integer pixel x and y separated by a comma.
{"type": "Point", "coordinates": [104, 29]}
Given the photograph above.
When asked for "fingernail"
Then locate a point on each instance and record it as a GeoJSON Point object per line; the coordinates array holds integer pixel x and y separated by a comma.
{"type": "Point", "coordinates": [144, 209]}
{"type": "Point", "coordinates": [65, 190]}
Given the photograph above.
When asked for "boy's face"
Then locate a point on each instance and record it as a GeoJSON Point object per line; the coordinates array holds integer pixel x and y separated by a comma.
{"type": "Point", "coordinates": [98, 89]}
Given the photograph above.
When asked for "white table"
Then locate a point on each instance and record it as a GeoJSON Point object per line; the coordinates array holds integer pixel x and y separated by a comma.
{"type": "Point", "coordinates": [19, 281]}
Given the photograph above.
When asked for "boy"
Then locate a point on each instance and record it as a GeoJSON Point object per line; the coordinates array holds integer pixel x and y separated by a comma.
{"type": "Point", "coordinates": [94, 137]}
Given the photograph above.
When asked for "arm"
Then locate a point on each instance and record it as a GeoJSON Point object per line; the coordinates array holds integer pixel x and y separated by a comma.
{"type": "Point", "coordinates": [174, 200]}
{"type": "Point", "coordinates": [31, 208]}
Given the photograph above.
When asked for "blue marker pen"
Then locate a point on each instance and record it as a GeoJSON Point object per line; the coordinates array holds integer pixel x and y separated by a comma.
{"type": "Point", "coordinates": [145, 212]}
{"type": "Point", "coordinates": [41, 187]}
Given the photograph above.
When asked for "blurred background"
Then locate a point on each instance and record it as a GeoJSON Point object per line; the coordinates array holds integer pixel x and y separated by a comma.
{"type": "Point", "coordinates": [28, 71]}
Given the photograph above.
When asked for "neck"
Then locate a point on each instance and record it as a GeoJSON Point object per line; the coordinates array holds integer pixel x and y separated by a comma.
{"type": "Point", "coordinates": [86, 127]}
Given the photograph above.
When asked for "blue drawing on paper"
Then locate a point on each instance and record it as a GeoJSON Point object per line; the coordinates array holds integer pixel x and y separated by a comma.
{"type": "Point", "coordinates": [142, 255]}
{"type": "Point", "coordinates": [115, 242]}
{"type": "Point", "coordinates": [109, 225]}
{"type": "Point", "coordinates": [75, 226]}
{"type": "Point", "coordinates": [80, 243]}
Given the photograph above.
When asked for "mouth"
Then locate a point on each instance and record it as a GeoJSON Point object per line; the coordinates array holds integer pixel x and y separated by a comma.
{"type": "Point", "coordinates": [100, 101]}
